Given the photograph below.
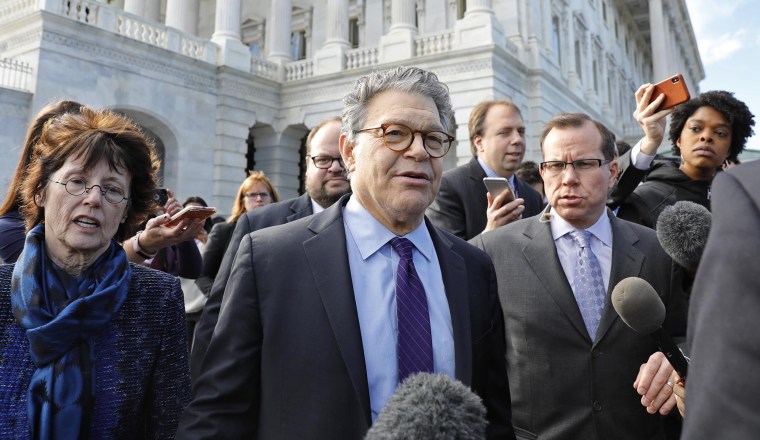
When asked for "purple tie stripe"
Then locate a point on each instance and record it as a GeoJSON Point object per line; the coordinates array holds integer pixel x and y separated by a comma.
{"type": "Point", "coordinates": [414, 345]}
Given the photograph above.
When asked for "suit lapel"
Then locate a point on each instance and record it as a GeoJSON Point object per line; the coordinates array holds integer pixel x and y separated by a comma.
{"type": "Point", "coordinates": [300, 208]}
{"type": "Point", "coordinates": [627, 261]}
{"type": "Point", "coordinates": [328, 260]}
{"type": "Point", "coordinates": [454, 273]}
{"type": "Point", "coordinates": [541, 254]}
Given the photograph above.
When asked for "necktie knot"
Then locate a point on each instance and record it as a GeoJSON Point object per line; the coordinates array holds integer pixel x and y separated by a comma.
{"type": "Point", "coordinates": [403, 247]}
{"type": "Point", "coordinates": [581, 237]}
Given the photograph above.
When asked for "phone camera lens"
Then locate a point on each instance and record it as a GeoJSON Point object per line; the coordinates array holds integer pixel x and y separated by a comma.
{"type": "Point", "coordinates": [675, 80]}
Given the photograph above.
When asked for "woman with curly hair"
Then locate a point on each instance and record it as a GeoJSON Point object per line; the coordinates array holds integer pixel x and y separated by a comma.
{"type": "Point", "coordinates": [705, 132]}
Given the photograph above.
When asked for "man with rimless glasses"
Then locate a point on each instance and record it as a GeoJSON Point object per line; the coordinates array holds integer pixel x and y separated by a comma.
{"type": "Point", "coordinates": [323, 317]}
{"type": "Point", "coordinates": [572, 360]}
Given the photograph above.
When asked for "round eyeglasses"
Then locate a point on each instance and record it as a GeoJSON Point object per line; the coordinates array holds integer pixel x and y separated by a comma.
{"type": "Point", "coordinates": [77, 187]}
{"type": "Point", "coordinates": [399, 137]}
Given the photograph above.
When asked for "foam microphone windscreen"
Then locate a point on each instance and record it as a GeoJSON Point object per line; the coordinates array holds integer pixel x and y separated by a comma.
{"type": "Point", "coordinates": [638, 305]}
{"type": "Point", "coordinates": [431, 406]}
{"type": "Point", "coordinates": [682, 230]}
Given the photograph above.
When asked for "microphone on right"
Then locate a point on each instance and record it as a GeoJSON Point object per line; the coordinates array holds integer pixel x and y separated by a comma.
{"type": "Point", "coordinates": [682, 230]}
{"type": "Point", "coordinates": [639, 306]}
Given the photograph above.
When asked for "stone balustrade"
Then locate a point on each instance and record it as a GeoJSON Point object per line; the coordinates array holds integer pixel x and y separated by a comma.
{"type": "Point", "coordinates": [299, 70]}
{"type": "Point", "coordinates": [264, 68]}
{"type": "Point", "coordinates": [14, 74]}
{"type": "Point", "coordinates": [433, 43]}
{"type": "Point", "coordinates": [361, 57]}
{"type": "Point", "coordinates": [11, 10]}
{"type": "Point", "coordinates": [85, 11]}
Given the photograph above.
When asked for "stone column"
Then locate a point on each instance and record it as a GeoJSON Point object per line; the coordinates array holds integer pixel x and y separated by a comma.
{"type": "Point", "coordinates": [398, 44]}
{"type": "Point", "coordinates": [136, 7]}
{"type": "Point", "coordinates": [152, 10]}
{"type": "Point", "coordinates": [278, 30]}
{"type": "Point", "coordinates": [231, 51]}
{"type": "Point", "coordinates": [479, 26]}
{"type": "Point", "coordinates": [332, 56]}
{"type": "Point", "coordinates": [403, 14]}
{"type": "Point", "coordinates": [183, 15]}
{"type": "Point", "coordinates": [658, 40]}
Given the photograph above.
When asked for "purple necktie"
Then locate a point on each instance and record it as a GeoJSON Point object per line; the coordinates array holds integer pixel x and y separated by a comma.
{"type": "Point", "coordinates": [588, 285]}
{"type": "Point", "coordinates": [414, 345]}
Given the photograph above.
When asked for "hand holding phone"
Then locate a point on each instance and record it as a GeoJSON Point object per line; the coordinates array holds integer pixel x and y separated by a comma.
{"type": "Point", "coordinates": [674, 89]}
{"type": "Point", "coordinates": [191, 212]}
{"type": "Point", "coordinates": [497, 185]}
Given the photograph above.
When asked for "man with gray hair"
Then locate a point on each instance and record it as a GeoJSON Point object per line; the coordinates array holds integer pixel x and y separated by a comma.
{"type": "Point", "coordinates": [323, 317]}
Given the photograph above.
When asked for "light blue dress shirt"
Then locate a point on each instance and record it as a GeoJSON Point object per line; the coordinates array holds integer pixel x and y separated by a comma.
{"type": "Point", "coordinates": [491, 173]}
{"type": "Point", "coordinates": [373, 266]}
{"type": "Point", "coordinates": [601, 245]}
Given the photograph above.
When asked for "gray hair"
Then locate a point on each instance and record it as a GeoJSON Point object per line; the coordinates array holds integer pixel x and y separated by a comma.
{"type": "Point", "coordinates": [403, 79]}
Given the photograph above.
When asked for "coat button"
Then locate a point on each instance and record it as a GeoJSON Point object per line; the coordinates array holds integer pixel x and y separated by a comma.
{"type": "Point", "coordinates": [597, 406]}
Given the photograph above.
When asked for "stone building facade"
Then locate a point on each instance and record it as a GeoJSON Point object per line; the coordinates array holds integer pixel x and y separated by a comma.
{"type": "Point", "coordinates": [226, 85]}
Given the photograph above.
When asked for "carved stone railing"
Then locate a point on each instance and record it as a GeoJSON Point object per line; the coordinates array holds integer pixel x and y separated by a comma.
{"type": "Point", "coordinates": [14, 74]}
{"type": "Point", "coordinates": [85, 11]}
{"type": "Point", "coordinates": [11, 10]}
{"type": "Point", "coordinates": [299, 70]}
{"type": "Point", "coordinates": [141, 30]}
{"type": "Point", "coordinates": [433, 43]}
{"type": "Point", "coordinates": [362, 57]}
{"type": "Point", "coordinates": [264, 68]}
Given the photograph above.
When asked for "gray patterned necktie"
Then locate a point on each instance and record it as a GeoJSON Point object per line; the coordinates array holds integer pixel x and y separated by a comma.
{"type": "Point", "coordinates": [588, 286]}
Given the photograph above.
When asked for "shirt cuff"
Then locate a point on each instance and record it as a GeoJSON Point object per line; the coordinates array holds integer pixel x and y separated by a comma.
{"type": "Point", "coordinates": [641, 160]}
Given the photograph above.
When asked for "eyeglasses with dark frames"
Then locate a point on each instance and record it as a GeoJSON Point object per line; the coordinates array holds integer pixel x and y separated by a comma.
{"type": "Point", "coordinates": [554, 167]}
{"type": "Point", "coordinates": [325, 162]}
{"type": "Point", "coordinates": [77, 187]}
{"type": "Point", "coordinates": [399, 137]}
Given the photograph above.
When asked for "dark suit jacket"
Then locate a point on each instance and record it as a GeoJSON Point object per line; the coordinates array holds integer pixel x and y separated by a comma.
{"type": "Point", "coordinates": [563, 385]}
{"type": "Point", "coordinates": [286, 360]}
{"type": "Point", "coordinates": [213, 253]}
{"type": "Point", "coordinates": [723, 385]}
{"type": "Point", "coordinates": [270, 215]}
{"type": "Point", "coordinates": [461, 204]}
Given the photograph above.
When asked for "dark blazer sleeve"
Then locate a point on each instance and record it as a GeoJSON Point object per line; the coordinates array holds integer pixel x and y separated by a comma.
{"type": "Point", "coordinates": [211, 310]}
{"type": "Point", "coordinates": [723, 331]}
{"type": "Point", "coordinates": [190, 261]}
{"type": "Point", "coordinates": [213, 253]}
{"type": "Point", "coordinates": [628, 179]}
{"type": "Point", "coordinates": [448, 209]}
{"type": "Point", "coordinates": [534, 203]}
{"type": "Point", "coordinates": [235, 383]}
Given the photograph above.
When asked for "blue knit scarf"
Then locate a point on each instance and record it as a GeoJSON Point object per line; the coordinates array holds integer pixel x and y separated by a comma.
{"type": "Point", "coordinates": [61, 314]}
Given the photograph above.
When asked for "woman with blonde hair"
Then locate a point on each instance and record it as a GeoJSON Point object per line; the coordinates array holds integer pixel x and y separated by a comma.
{"type": "Point", "coordinates": [255, 192]}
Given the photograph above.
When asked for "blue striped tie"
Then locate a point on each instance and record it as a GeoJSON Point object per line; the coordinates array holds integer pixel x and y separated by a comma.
{"type": "Point", "coordinates": [414, 344]}
{"type": "Point", "coordinates": [588, 286]}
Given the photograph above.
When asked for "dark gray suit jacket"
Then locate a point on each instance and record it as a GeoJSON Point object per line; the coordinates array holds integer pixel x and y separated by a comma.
{"type": "Point", "coordinates": [565, 386]}
{"type": "Point", "coordinates": [461, 204]}
{"type": "Point", "coordinates": [286, 360]}
{"type": "Point", "coordinates": [264, 217]}
{"type": "Point", "coordinates": [723, 387]}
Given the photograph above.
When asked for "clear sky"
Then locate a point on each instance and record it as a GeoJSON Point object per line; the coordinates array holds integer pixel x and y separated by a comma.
{"type": "Point", "coordinates": [728, 35]}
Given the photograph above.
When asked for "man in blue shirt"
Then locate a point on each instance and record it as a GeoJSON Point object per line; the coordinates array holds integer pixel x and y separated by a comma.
{"type": "Point", "coordinates": [324, 316]}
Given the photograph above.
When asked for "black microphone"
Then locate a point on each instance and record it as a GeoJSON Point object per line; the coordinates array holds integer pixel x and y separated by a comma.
{"type": "Point", "coordinates": [429, 405]}
{"type": "Point", "coordinates": [682, 231]}
{"type": "Point", "coordinates": [639, 306]}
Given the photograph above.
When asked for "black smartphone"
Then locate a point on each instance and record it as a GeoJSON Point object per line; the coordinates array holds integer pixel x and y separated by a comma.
{"type": "Point", "coordinates": [161, 196]}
